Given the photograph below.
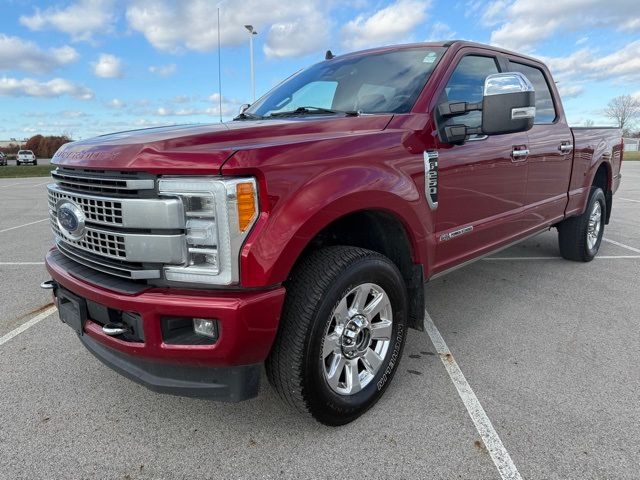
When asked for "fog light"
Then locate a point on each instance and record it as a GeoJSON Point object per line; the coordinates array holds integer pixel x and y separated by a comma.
{"type": "Point", "coordinates": [205, 327]}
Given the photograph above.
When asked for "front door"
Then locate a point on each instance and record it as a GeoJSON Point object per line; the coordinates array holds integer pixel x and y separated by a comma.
{"type": "Point", "coordinates": [482, 183]}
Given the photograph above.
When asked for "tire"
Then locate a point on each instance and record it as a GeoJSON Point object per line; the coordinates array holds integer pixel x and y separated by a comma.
{"type": "Point", "coordinates": [319, 316]}
{"type": "Point", "coordinates": [579, 237]}
{"type": "Point", "coordinates": [35, 163]}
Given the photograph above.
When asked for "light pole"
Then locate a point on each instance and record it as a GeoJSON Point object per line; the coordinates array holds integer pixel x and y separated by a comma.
{"type": "Point", "coordinates": [252, 32]}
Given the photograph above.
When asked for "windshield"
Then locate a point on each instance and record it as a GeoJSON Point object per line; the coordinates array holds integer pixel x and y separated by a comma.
{"type": "Point", "coordinates": [388, 82]}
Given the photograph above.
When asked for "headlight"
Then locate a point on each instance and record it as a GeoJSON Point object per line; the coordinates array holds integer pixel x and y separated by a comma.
{"type": "Point", "coordinates": [219, 214]}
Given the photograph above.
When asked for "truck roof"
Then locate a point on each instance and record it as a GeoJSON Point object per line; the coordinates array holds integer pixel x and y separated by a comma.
{"type": "Point", "coordinates": [445, 44]}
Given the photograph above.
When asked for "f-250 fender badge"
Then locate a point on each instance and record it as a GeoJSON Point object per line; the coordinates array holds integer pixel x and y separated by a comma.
{"type": "Point", "coordinates": [456, 233]}
{"type": "Point", "coordinates": [431, 178]}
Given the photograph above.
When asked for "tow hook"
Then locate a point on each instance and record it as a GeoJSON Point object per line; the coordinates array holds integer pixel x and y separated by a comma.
{"type": "Point", "coordinates": [49, 285]}
{"type": "Point", "coordinates": [114, 329]}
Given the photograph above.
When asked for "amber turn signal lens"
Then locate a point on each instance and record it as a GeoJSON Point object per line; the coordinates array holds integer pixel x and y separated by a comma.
{"type": "Point", "coordinates": [246, 205]}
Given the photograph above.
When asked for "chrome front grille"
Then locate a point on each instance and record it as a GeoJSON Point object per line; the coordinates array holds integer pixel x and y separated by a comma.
{"type": "Point", "coordinates": [106, 212]}
{"type": "Point", "coordinates": [128, 230]}
{"type": "Point", "coordinates": [94, 241]}
{"type": "Point", "coordinates": [107, 183]}
{"type": "Point", "coordinates": [120, 269]}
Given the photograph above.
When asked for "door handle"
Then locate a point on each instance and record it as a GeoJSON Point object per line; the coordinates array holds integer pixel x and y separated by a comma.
{"type": "Point", "coordinates": [519, 154]}
{"type": "Point", "coordinates": [565, 147]}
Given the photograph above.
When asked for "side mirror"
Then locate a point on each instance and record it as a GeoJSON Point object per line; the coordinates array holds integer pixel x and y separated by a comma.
{"type": "Point", "coordinates": [244, 107]}
{"type": "Point", "coordinates": [508, 104]}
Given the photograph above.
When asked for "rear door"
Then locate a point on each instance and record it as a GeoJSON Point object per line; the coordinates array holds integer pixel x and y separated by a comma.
{"type": "Point", "coordinates": [550, 149]}
{"type": "Point", "coordinates": [481, 184]}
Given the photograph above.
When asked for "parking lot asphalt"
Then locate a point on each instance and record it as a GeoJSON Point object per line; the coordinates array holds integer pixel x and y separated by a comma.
{"type": "Point", "coordinates": [550, 348]}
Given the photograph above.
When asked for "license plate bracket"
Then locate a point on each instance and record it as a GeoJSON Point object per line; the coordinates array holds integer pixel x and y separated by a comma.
{"type": "Point", "coordinates": [72, 310]}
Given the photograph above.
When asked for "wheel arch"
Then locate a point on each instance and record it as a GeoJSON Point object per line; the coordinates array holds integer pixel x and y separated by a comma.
{"type": "Point", "coordinates": [384, 232]}
{"type": "Point", "coordinates": [603, 178]}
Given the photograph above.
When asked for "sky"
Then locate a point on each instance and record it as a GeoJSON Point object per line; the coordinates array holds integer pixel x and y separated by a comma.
{"type": "Point", "coordinates": [88, 67]}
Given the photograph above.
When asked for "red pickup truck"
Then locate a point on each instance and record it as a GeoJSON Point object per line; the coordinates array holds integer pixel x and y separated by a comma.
{"type": "Point", "coordinates": [300, 235]}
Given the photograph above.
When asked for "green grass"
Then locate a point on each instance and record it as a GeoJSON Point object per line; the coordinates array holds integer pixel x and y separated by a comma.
{"type": "Point", "coordinates": [631, 156]}
{"type": "Point", "coordinates": [11, 171]}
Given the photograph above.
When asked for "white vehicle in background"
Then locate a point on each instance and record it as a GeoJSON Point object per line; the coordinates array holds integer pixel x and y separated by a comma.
{"type": "Point", "coordinates": [26, 157]}
{"type": "Point", "coordinates": [3, 159]}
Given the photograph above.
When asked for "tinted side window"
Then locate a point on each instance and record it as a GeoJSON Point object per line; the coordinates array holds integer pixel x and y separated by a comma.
{"type": "Point", "coordinates": [545, 111]}
{"type": "Point", "coordinates": [467, 84]}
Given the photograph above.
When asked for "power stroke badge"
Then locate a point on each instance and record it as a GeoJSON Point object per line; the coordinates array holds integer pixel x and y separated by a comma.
{"type": "Point", "coordinates": [431, 178]}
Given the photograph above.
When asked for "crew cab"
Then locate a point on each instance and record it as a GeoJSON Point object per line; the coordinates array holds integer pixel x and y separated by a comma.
{"type": "Point", "coordinates": [26, 157]}
{"type": "Point", "coordinates": [300, 234]}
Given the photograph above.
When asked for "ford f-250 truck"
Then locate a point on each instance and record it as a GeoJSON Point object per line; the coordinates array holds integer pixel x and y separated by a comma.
{"type": "Point", "coordinates": [301, 234]}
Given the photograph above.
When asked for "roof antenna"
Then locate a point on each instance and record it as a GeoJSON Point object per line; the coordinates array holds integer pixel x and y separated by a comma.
{"type": "Point", "coordinates": [328, 55]}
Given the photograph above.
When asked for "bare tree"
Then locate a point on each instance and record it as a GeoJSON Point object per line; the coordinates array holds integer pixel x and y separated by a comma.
{"type": "Point", "coordinates": [623, 110]}
{"type": "Point", "coordinates": [588, 123]}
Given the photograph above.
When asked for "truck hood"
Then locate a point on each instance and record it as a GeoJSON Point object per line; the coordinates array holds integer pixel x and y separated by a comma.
{"type": "Point", "coordinates": [203, 149]}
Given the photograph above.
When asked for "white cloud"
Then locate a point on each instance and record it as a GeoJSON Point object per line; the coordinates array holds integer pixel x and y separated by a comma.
{"type": "Point", "coordinates": [390, 24]}
{"type": "Point", "coordinates": [207, 108]}
{"type": "Point", "coordinates": [621, 66]}
{"type": "Point", "coordinates": [81, 20]}
{"type": "Point", "coordinates": [307, 33]}
{"type": "Point", "coordinates": [115, 103]}
{"type": "Point", "coordinates": [191, 24]}
{"type": "Point", "coordinates": [570, 91]}
{"type": "Point", "coordinates": [163, 70]}
{"type": "Point", "coordinates": [582, 40]}
{"type": "Point", "coordinates": [180, 99]}
{"type": "Point", "coordinates": [107, 66]}
{"type": "Point", "coordinates": [28, 87]}
{"type": "Point", "coordinates": [524, 23]}
{"type": "Point", "coordinates": [440, 31]}
{"type": "Point", "coordinates": [19, 54]}
{"type": "Point", "coordinates": [73, 114]}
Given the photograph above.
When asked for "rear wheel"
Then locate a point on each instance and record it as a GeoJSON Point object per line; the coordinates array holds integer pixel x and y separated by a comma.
{"type": "Point", "coordinates": [580, 237]}
{"type": "Point", "coordinates": [341, 335]}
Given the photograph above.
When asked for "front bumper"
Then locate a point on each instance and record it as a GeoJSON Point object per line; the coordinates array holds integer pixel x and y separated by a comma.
{"type": "Point", "coordinates": [227, 370]}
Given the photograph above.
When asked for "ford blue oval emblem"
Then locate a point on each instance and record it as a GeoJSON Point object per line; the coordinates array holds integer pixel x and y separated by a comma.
{"type": "Point", "coordinates": [70, 219]}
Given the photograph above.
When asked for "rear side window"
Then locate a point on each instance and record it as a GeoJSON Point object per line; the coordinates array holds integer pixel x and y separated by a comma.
{"type": "Point", "coordinates": [466, 84]}
{"type": "Point", "coordinates": [545, 110]}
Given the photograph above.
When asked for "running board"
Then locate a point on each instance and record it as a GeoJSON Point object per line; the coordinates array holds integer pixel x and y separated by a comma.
{"type": "Point", "coordinates": [474, 260]}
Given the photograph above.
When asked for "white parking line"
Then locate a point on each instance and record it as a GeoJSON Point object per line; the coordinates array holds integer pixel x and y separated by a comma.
{"type": "Point", "coordinates": [25, 225]}
{"type": "Point", "coordinates": [613, 242]}
{"type": "Point", "coordinates": [601, 257]}
{"type": "Point", "coordinates": [628, 199]}
{"type": "Point", "coordinates": [21, 263]}
{"type": "Point", "coordinates": [25, 326]}
{"type": "Point", "coordinates": [499, 454]}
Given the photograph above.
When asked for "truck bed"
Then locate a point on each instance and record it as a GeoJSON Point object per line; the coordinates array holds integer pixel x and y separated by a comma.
{"type": "Point", "coordinates": [600, 141]}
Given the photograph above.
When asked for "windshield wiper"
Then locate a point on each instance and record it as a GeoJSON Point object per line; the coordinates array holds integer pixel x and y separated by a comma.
{"type": "Point", "coordinates": [248, 116]}
{"type": "Point", "coordinates": [311, 111]}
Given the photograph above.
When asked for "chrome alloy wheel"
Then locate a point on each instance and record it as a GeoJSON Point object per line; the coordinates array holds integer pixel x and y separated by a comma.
{"type": "Point", "coordinates": [594, 226]}
{"type": "Point", "coordinates": [357, 339]}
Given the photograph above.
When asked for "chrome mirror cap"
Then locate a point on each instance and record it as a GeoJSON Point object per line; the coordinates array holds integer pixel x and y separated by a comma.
{"type": "Point", "coordinates": [502, 83]}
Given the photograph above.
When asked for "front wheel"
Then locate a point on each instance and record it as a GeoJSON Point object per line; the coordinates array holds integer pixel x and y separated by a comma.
{"type": "Point", "coordinates": [341, 335]}
{"type": "Point", "coordinates": [580, 237]}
